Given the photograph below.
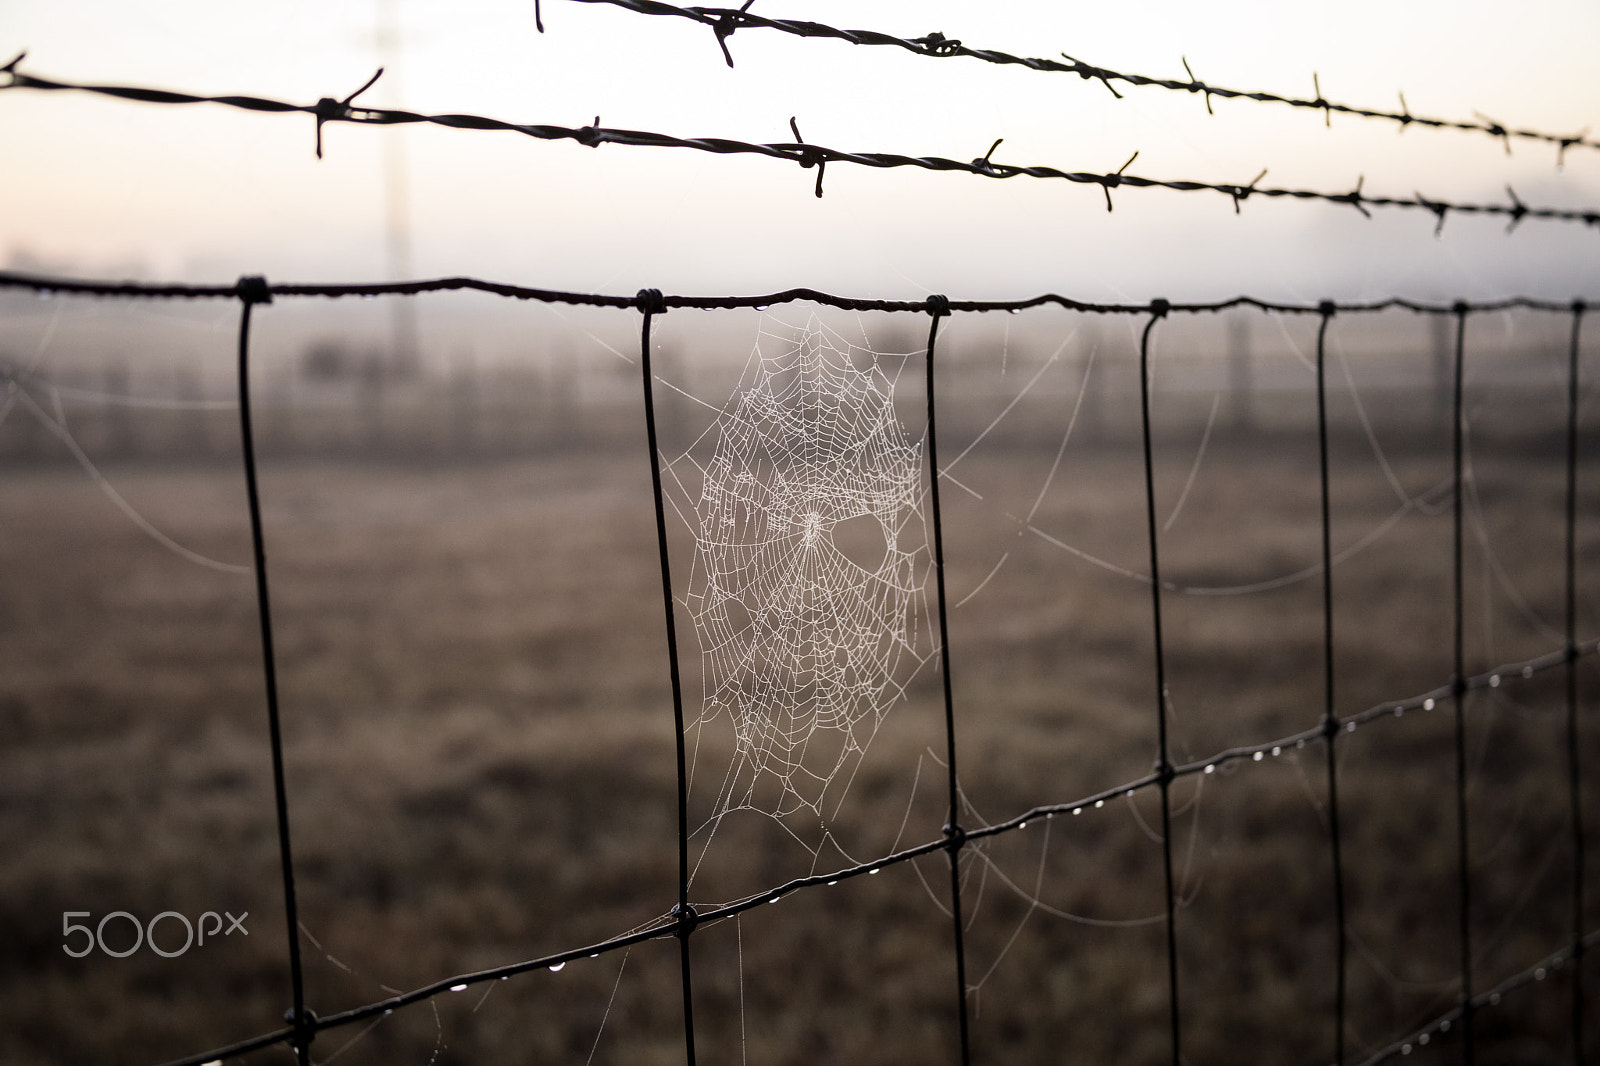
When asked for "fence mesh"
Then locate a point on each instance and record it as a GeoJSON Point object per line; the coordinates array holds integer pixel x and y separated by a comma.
{"type": "Point", "coordinates": [1489, 514]}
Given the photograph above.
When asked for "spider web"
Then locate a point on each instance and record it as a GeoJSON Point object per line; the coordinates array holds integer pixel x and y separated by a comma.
{"type": "Point", "coordinates": [810, 558]}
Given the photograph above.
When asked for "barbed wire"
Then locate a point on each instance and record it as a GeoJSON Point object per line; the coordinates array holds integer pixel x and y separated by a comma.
{"type": "Point", "coordinates": [807, 155]}
{"type": "Point", "coordinates": [684, 918]}
{"type": "Point", "coordinates": [724, 21]}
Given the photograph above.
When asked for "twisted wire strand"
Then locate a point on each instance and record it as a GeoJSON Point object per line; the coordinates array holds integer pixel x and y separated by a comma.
{"type": "Point", "coordinates": [329, 109]}
{"type": "Point", "coordinates": [724, 21]}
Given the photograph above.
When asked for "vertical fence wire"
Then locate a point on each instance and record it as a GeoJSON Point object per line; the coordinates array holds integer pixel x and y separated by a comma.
{"type": "Point", "coordinates": [1458, 687]}
{"type": "Point", "coordinates": [650, 304]}
{"type": "Point", "coordinates": [1164, 768]}
{"type": "Point", "coordinates": [1573, 767]}
{"type": "Point", "coordinates": [252, 291]}
{"type": "Point", "coordinates": [955, 836]}
{"type": "Point", "coordinates": [1330, 722]}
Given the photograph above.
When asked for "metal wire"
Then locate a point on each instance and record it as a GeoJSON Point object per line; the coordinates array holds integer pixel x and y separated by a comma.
{"type": "Point", "coordinates": [1459, 689]}
{"type": "Point", "coordinates": [1164, 772]}
{"type": "Point", "coordinates": [684, 919]}
{"type": "Point", "coordinates": [955, 836]}
{"type": "Point", "coordinates": [1574, 768]}
{"type": "Point", "coordinates": [1330, 720]}
{"type": "Point", "coordinates": [329, 109]}
{"type": "Point", "coordinates": [724, 21]}
{"type": "Point", "coordinates": [650, 305]}
{"type": "Point", "coordinates": [253, 291]}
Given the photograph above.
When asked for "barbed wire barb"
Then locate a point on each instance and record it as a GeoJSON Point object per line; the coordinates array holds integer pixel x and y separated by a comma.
{"type": "Point", "coordinates": [807, 158]}
{"type": "Point", "coordinates": [940, 46]}
{"type": "Point", "coordinates": [1195, 85]}
{"type": "Point", "coordinates": [331, 110]}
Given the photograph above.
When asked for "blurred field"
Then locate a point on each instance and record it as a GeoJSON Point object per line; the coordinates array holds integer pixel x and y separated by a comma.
{"type": "Point", "coordinates": [480, 748]}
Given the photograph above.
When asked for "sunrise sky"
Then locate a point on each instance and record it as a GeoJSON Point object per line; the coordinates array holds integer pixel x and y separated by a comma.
{"type": "Point", "coordinates": [99, 187]}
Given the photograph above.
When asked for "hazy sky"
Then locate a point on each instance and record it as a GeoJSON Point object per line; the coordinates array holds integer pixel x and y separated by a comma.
{"type": "Point", "coordinates": [102, 187]}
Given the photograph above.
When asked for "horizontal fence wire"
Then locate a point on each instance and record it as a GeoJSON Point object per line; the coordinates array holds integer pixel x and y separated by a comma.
{"type": "Point", "coordinates": [329, 109]}
{"type": "Point", "coordinates": [724, 21]}
{"type": "Point", "coordinates": [45, 286]}
{"type": "Point", "coordinates": [684, 919]}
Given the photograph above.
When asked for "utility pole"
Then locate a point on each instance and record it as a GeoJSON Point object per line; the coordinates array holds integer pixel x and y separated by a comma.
{"type": "Point", "coordinates": [403, 355]}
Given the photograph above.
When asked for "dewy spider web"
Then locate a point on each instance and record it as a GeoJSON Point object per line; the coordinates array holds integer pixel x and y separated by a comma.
{"type": "Point", "coordinates": [809, 565]}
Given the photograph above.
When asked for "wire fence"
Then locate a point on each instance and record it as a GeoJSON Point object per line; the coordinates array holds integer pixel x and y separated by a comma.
{"type": "Point", "coordinates": [687, 918]}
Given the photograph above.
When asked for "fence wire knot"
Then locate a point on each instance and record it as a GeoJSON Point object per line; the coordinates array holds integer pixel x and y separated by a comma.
{"type": "Point", "coordinates": [938, 306]}
{"type": "Point", "coordinates": [253, 289]}
{"type": "Point", "coordinates": [686, 918]}
{"type": "Point", "coordinates": [954, 837]}
{"type": "Point", "coordinates": [305, 1024]}
{"type": "Point", "coordinates": [650, 302]}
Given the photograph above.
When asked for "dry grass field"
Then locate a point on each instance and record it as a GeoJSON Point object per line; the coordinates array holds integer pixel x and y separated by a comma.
{"type": "Point", "coordinates": [479, 742]}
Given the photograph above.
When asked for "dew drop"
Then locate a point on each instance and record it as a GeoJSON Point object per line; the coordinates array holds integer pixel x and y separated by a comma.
{"type": "Point", "coordinates": [1444, 1026]}
{"type": "Point", "coordinates": [1539, 974]}
{"type": "Point", "coordinates": [1299, 743]}
{"type": "Point", "coordinates": [1211, 769]}
{"type": "Point", "coordinates": [832, 883]}
{"type": "Point", "coordinates": [1024, 825]}
{"type": "Point", "coordinates": [1349, 727]}
{"type": "Point", "coordinates": [1494, 1000]}
{"type": "Point", "coordinates": [458, 988]}
{"type": "Point", "coordinates": [1405, 1049]}
{"type": "Point", "coordinates": [1256, 757]}
{"type": "Point", "coordinates": [558, 967]}
{"type": "Point", "coordinates": [1077, 810]}
{"type": "Point", "coordinates": [1099, 803]}
{"type": "Point", "coordinates": [1399, 712]}
{"type": "Point", "coordinates": [1424, 1038]}
{"type": "Point", "coordinates": [369, 296]}
{"type": "Point", "coordinates": [1428, 704]}
{"type": "Point", "coordinates": [1527, 671]}
{"type": "Point", "coordinates": [872, 873]}
{"type": "Point", "coordinates": [1276, 752]}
